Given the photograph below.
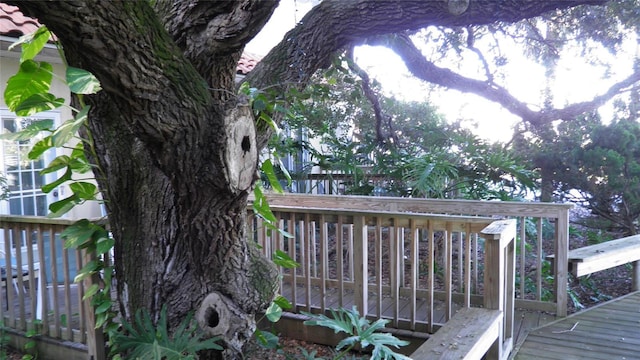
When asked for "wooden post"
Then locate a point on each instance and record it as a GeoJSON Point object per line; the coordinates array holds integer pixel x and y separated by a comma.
{"type": "Point", "coordinates": [561, 259]}
{"type": "Point", "coordinates": [635, 276]}
{"type": "Point", "coordinates": [499, 287]}
{"type": "Point", "coordinates": [361, 272]}
{"type": "Point", "coordinates": [95, 337]}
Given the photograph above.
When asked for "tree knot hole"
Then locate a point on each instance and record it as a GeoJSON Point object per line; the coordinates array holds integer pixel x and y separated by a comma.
{"type": "Point", "coordinates": [212, 318]}
{"type": "Point", "coordinates": [246, 144]}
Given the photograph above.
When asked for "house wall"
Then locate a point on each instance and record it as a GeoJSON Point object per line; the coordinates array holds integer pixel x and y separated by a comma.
{"type": "Point", "coordinates": [9, 63]}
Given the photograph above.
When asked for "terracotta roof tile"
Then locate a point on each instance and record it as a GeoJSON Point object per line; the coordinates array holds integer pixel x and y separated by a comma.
{"type": "Point", "coordinates": [13, 23]}
{"type": "Point", "coordinates": [247, 62]}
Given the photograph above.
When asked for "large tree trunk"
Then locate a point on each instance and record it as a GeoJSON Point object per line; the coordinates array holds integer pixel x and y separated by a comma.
{"type": "Point", "coordinates": [178, 149]}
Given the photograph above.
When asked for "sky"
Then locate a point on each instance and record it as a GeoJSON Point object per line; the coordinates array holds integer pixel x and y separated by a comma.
{"type": "Point", "coordinates": [575, 79]}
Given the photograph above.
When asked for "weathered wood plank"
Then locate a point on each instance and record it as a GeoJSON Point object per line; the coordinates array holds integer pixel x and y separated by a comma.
{"type": "Point", "coordinates": [468, 335]}
{"type": "Point", "coordinates": [607, 331]}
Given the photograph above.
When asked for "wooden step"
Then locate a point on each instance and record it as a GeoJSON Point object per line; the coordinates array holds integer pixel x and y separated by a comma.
{"type": "Point", "coordinates": [467, 335]}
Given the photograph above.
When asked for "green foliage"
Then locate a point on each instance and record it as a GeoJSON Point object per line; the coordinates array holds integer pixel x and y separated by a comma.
{"type": "Point", "coordinates": [30, 346]}
{"type": "Point", "coordinates": [594, 165]}
{"type": "Point", "coordinates": [359, 331]}
{"type": "Point", "coordinates": [414, 152]}
{"type": "Point", "coordinates": [142, 340]}
{"type": "Point", "coordinates": [27, 93]}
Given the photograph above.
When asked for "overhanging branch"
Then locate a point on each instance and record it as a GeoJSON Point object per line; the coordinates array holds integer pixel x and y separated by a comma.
{"type": "Point", "coordinates": [369, 93]}
{"type": "Point", "coordinates": [420, 67]}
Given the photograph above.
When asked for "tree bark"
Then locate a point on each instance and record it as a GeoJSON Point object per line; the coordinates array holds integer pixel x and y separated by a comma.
{"type": "Point", "coordinates": [178, 148]}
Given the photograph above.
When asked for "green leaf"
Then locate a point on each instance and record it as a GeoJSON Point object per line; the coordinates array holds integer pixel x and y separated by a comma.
{"type": "Point", "coordinates": [101, 319]}
{"type": "Point", "coordinates": [69, 128]}
{"type": "Point", "coordinates": [274, 312]}
{"type": "Point", "coordinates": [259, 105]}
{"type": "Point", "coordinates": [92, 290]}
{"type": "Point", "coordinates": [104, 245]}
{"type": "Point", "coordinates": [32, 78]}
{"type": "Point", "coordinates": [267, 339]}
{"type": "Point", "coordinates": [79, 233]}
{"type": "Point", "coordinates": [38, 103]}
{"type": "Point", "coordinates": [56, 164]}
{"type": "Point", "coordinates": [30, 131]}
{"type": "Point", "coordinates": [283, 259]}
{"type": "Point", "coordinates": [81, 81]}
{"type": "Point", "coordinates": [283, 302]}
{"type": "Point", "coordinates": [63, 206]}
{"type": "Point", "coordinates": [84, 190]}
{"type": "Point", "coordinates": [106, 305]}
{"type": "Point", "coordinates": [32, 43]}
{"type": "Point", "coordinates": [52, 185]}
{"type": "Point", "coordinates": [90, 268]}
{"type": "Point", "coordinates": [261, 206]}
{"type": "Point", "coordinates": [40, 147]}
{"type": "Point", "coordinates": [268, 169]}
{"type": "Point", "coordinates": [66, 131]}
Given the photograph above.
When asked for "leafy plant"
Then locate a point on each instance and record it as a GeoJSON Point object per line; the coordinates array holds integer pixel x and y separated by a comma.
{"type": "Point", "coordinates": [360, 331]}
{"type": "Point", "coordinates": [273, 313]}
{"type": "Point", "coordinates": [27, 93]}
{"type": "Point", "coordinates": [30, 346]}
{"type": "Point", "coordinates": [144, 341]}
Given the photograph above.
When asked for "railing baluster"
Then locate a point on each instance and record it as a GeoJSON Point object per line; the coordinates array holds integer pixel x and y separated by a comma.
{"type": "Point", "coordinates": [461, 288]}
{"type": "Point", "coordinates": [378, 265]}
{"type": "Point", "coordinates": [293, 241]}
{"type": "Point", "coordinates": [447, 261]}
{"type": "Point", "coordinates": [521, 265]}
{"type": "Point", "coordinates": [280, 238]}
{"type": "Point", "coordinates": [475, 263]}
{"type": "Point", "coordinates": [67, 288]}
{"type": "Point", "coordinates": [360, 279]}
{"type": "Point", "coordinates": [340, 260]}
{"type": "Point", "coordinates": [394, 269]}
{"type": "Point", "coordinates": [323, 262]}
{"type": "Point", "coordinates": [20, 241]}
{"type": "Point", "coordinates": [430, 275]}
{"type": "Point", "coordinates": [467, 266]}
{"type": "Point", "coordinates": [414, 272]}
{"type": "Point", "coordinates": [539, 262]}
{"type": "Point", "coordinates": [42, 299]}
{"type": "Point", "coordinates": [306, 253]}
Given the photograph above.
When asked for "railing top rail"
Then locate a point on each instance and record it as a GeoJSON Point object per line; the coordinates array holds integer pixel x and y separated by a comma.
{"type": "Point", "coordinates": [382, 214]}
{"type": "Point", "coordinates": [431, 206]}
{"type": "Point", "coordinates": [25, 219]}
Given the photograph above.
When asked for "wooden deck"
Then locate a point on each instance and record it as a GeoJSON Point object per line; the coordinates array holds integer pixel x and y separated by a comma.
{"type": "Point", "coordinates": [608, 331]}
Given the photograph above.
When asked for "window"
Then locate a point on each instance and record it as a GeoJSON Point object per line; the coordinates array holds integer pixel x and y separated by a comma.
{"type": "Point", "coordinates": [23, 175]}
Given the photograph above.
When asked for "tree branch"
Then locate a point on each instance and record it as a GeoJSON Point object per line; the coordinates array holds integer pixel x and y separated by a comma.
{"type": "Point", "coordinates": [427, 71]}
{"type": "Point", "coordinates": [370, 94]}
{"type": "Point", "coordinates": [332, 25]}
{"type": "Point", "coordinates": [212, 34]}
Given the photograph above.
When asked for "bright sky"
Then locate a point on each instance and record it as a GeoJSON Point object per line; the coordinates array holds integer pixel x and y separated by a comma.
{"type": "Point", "coordinates": [575, 79]}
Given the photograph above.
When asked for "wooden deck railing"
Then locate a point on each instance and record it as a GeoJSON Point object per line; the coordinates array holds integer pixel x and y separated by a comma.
{"type": "Point", "coordinates": [391, 224]}
{"type": "Point", "coordinates": [38, 292]}
{"type": "Point", "coordinates": [413, 261]}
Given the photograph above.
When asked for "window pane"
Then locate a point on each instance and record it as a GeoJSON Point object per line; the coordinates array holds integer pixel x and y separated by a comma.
{"type": "Point", "coordinates": [27, 180]}
{"type": "Point", "coordinates": [29, 208]}
{"type": "Point", "coordinates": [41, 203]}
{"type": "Point", "coordinates": [15, 206]}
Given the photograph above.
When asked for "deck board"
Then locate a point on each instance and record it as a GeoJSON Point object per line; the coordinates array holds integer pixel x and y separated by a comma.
{"type": "Point", "coordinates": [608, 331]}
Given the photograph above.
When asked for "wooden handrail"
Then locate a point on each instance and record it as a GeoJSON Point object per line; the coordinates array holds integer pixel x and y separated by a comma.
{"type": "Point", "coordinates": [499, 280]}
{"type": "Point", "coordinates": [556, 215]}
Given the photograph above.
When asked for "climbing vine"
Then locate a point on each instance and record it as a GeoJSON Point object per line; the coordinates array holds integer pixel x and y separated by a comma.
{"type": "Point", "coordinates": [27, 93]}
